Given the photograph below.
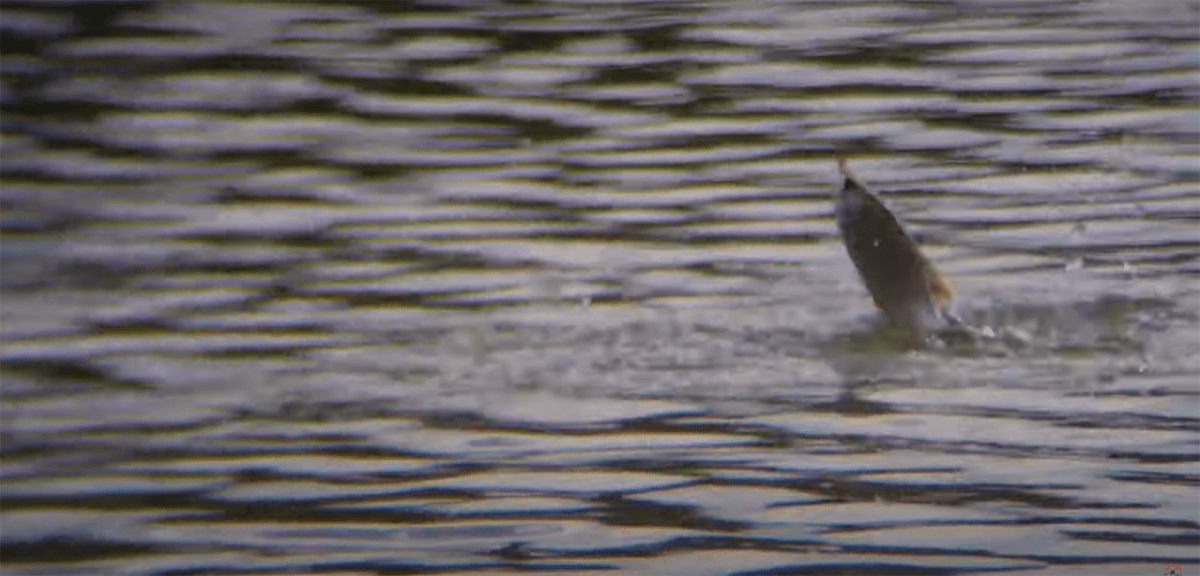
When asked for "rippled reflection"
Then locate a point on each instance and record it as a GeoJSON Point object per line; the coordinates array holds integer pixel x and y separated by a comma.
{"type": "Point", "coordinates": [556, 287]}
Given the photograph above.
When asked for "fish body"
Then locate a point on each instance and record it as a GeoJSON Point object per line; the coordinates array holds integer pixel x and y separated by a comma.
{"type": "Point", "coordinates": [903, 283]}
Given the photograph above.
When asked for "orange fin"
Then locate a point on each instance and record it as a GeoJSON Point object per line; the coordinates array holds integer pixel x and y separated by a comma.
{"type": "Point", "coordinates": [938, 287]}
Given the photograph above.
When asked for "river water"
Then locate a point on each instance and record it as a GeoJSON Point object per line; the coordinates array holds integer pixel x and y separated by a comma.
{"type": "Point", "coordinates": [554, 287]}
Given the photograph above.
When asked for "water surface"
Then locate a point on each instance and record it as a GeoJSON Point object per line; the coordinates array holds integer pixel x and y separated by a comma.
{"type": "Point", "coordinates": [555, 287]}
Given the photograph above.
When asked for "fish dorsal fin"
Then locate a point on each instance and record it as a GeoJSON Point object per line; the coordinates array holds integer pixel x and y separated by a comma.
{"type": "Point", "coordinates": [939, 289]}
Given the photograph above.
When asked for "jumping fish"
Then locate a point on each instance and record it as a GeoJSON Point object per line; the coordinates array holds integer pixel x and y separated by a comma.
{"type": "Point", "coordinates": [904, 284]}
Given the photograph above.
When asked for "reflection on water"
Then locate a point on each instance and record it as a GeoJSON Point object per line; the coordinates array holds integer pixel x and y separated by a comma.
{"type": "Point", "coordinates": [551, 287]}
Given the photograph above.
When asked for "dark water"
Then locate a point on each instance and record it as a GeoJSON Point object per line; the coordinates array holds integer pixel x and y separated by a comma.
{"type": "Point", "coordinates": [554, 287]}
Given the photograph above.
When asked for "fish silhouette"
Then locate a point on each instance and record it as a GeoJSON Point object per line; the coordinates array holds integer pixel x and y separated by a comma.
{"type": "Point", "coordinates": [905, 286]}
